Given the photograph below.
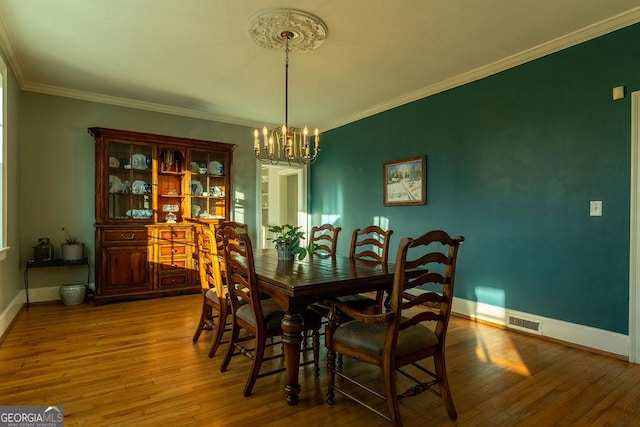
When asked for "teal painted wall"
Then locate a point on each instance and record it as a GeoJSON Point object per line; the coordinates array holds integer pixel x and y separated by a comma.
{"type": "Point", "coordinates": [513, 161]}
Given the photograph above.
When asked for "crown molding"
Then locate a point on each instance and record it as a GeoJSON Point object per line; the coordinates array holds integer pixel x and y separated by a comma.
{"type": "Point", "coordinates": [588, 33]}
{"type": "Point", "coordinates": [572, 39]}
{"type": "Point", "coordinates": [135, 104]}
{"type": "Point", "coordinates": [10, 54]}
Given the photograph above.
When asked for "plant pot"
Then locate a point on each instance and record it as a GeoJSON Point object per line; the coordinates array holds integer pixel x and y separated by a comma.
{"type": "Point", "coordinates": [72, 251]}
{"type": "Point", "coordinates": [284, 252]}
{"type": "Point", "coordinates": [73, 294]}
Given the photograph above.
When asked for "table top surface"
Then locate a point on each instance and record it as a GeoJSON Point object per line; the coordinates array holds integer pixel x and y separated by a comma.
{"type": "Point", "coordinates": [321, 276]}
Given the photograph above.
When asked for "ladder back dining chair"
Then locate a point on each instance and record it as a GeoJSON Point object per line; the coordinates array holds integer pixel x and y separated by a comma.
{"type": "Point", "coordinates": [398, 339]}
{"type": "Point", "coordinates": [369, 244]}
{"type": "Point", "coordinates": [260, 318]}
{"type": "Point", "coordinates": [211, 268]}
{"type": "Point", "coordinates": [325, 239]}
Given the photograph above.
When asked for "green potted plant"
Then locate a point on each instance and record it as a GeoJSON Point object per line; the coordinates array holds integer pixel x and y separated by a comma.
{"type": "Point", "coordinates": [287, 239]}
{"type": "Point", "coordinates": [72, 248]}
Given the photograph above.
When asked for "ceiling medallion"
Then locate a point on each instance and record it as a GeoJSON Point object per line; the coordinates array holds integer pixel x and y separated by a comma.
{"type": "Point", "coordinates": [307, 31]}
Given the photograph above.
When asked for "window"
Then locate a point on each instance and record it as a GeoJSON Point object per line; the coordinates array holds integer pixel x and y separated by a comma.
{"type": "Point", "coordinates": [3, 157]}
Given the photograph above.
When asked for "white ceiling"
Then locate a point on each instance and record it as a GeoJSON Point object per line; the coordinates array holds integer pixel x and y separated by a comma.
{"type": "Point", "coordinates": [195, 57]}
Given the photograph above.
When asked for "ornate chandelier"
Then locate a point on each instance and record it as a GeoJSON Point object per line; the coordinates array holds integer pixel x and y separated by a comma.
{"type": "Point", "coordinates": [288, 29]}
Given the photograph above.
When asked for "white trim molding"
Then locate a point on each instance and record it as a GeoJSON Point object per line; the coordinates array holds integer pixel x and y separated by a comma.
{"type": "Point", "coordinates": [11, 312]}
{"type": "Point", "coordinates": [634, 233]}
{"type": "Point", "coordinates": [571, 333]}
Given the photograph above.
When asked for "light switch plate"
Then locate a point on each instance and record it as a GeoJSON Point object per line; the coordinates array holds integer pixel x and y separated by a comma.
{"type": "Point", "coordinates": [595, 208]}
{"type": "Point", "coordinates": [618, 93]}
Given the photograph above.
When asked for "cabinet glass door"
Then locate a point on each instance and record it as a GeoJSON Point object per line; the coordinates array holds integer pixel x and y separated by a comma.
{"type": "Point", "coordinates": [208, 184]}
{"type": "Point", "coordinates": [130, 192]}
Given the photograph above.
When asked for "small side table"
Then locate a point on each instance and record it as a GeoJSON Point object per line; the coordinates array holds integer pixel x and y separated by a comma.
{"type": "Point", "coordinates": [52, 263]}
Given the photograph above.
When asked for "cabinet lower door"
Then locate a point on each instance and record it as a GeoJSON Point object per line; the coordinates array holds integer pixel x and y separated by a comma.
{"type": "Point", "coordinates": [127, 270]}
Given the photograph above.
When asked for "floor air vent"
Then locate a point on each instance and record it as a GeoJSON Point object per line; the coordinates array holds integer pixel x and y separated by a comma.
{"type": "Point", "coordinates": [525, 325]}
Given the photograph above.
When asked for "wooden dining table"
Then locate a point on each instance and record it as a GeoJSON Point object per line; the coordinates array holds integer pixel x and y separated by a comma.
{"type": "Point", "coordinates": [295, 284]}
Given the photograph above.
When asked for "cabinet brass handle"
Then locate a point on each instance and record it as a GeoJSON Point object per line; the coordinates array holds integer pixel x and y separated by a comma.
{"type": "Point", "coordinates": [133, 236]}
{"type": "Point", "coordinates": [173, 251]}
{"type": "Point", "coordinates": [174, 266]}
{"type": "Point", "coordinates": [174, 235]}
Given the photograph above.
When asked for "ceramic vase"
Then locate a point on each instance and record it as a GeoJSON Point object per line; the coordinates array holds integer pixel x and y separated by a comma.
{"type": "Point", "coordinates": [73, 294]}
{"type": "Point", "coordinates": [72, 251]}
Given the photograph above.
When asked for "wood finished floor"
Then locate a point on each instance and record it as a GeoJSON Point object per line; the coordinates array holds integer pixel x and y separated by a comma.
{"type": "Point", "coordinates": [133, 363]}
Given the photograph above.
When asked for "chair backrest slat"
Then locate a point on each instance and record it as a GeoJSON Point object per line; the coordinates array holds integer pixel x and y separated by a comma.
{"type": "Point", "coordinates": [435, 253]}
{"type": "Point", "coordinates": [240, 270]}
{"type": "Point", "coordinates": [325, 238]}
{"type": "Point", "coordinates": [238, 226]}
{"type": "Point", "coordinates": [211, 262]}
{"type": "Point", "coordinates": [370, 243]}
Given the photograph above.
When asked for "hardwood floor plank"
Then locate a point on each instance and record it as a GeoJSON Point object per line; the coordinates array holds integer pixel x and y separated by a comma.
{"type": "Point", "coordinates": [133, 363]}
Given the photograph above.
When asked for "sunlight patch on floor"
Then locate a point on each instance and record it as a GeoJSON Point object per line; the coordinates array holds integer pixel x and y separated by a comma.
{"type": "Point", "coordinates": [505, 356]}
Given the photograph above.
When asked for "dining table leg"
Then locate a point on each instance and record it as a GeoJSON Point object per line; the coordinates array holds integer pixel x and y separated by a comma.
{"type": "Point", "coordinates": [292, 338]}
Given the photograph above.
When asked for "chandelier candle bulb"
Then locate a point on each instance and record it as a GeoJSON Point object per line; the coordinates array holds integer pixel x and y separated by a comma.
{"type": "Point", "coordinates": [264, 132]}
{"type": "Point", "coordinates": [256, 143]}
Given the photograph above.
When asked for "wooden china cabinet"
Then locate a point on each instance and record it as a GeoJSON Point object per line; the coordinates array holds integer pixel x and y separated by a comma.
{"type": "Point", "coordinates": [152, 191]}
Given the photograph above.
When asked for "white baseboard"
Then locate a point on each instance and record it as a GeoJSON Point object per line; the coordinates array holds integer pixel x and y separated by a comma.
{"type": "Point", "coordinates": [49, 293]}
{"type": "Point", "coordinates": [44, 294]}
{"type": "Point", "coordinates": [39, 294]}
{"type": "Point", "coordinates": [585, 336]}
{"type": "Point", "coordinates": [10, 313]}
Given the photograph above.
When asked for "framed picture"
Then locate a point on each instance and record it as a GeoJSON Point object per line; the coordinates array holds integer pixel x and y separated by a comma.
{"type": "Point", "coordinates": [405, 182]}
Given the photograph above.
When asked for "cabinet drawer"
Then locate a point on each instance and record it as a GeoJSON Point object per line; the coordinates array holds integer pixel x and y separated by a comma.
{"type": "Point", "coordinates": [172, 250]}
{"type": "Point", "coordinates": [132, 236]}
{"type": "Point", "coordinates": [173, 234]}
{"type": "Point", "coordinates": [173, 280]}
{"type": "Point", "coordinates": [173, 265]}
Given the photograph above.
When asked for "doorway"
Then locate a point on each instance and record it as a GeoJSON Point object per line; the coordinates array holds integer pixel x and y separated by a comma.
{"type": "Point", "coordinates": [283, 197]}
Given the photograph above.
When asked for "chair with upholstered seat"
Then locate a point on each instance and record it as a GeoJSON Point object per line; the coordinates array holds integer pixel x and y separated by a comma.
{"type": "Point", "coordinates": [208, 273]}
{"type": "Point", "coordinates": [325, 239]}
{"type": "Point", "coordinates": [398, 339]}
{"type": "Point", "coordinates": [211, 269]}
{"type": "Point", "coordinates": [260, 318]}
{"type": "Point", "coordinates": [199, 256]}
{"type": "Point", "coordinates": [370, 244]}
